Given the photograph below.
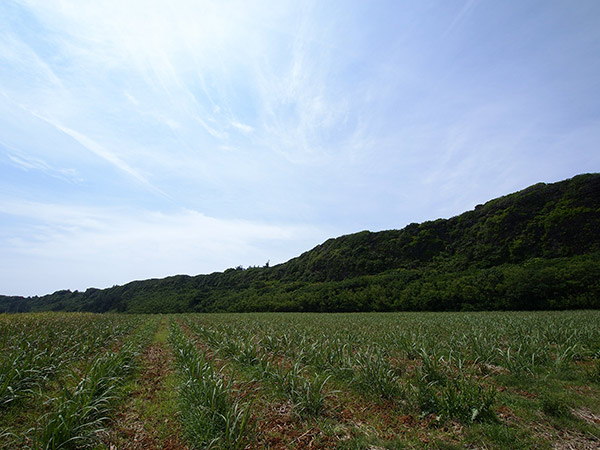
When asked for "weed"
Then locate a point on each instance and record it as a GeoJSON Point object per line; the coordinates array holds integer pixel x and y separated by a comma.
{"type": "Point", "coordinates": [374, 375]}
{"type": "Point", "coordinates": [593, 372]}
{"type": "Point", "coordinates": [307, 395]}
{"type": "Point", "coordinates": [554, 405]}
{"type": "Point", "coordinates": [458, 398]}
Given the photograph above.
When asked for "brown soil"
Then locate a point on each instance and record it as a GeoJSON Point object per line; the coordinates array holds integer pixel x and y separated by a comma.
{"type": "Point", "coordinates": [526, 394]}
{"type": "Point", "coordinates": [277, 427]}
{"type": "Point", "coordinates": [576, 441]}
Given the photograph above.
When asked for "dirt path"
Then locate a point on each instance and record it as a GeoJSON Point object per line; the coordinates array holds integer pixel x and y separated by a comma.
{"type": "Point", "coordinates": [149, 418]}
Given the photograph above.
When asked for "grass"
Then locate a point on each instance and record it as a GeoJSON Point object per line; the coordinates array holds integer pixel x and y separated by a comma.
{"type": "Point", "coordinates": [161, 412]}
{"type": "Point", "coordinates": [150, 414]}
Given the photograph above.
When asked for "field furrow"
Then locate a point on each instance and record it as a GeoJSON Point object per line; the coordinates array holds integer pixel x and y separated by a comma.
{"type": "Point", "coordinates": [148, 420]}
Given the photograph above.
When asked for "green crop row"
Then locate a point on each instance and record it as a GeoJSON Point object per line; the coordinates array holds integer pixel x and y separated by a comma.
{"type": "Point", "coordinates": [428, 364]}
{"type": "Point", "coordinates": [79, 414]}
{"type": "Point", "coordinates": [521, 343]}
{"type": "Point", "coordinates": [87, 357]}
{"type": "Point", "coordinates": [38, 347]}
{"type": "Point", "coordinates": [211, 416]}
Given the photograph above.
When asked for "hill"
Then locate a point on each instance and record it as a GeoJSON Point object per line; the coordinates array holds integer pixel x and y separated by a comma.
{"type": "Point", "coordinates": [538, 248]}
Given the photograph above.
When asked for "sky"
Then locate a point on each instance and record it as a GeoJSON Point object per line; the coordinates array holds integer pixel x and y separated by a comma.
{"type": "Point", "coordinates": [144, 138]}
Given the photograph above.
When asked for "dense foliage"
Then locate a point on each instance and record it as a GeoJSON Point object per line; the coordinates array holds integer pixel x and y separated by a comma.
{"type": "Point", "coordinates": [535, 249]}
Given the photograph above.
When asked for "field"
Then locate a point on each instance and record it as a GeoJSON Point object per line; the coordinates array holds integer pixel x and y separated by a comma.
{"type": "Point", "coordinates": [344, 381]}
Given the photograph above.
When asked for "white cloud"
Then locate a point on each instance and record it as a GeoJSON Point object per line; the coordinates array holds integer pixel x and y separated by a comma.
{"type": "Point", "coordinates": [16, 53]}
{"type": "Point", "coordinates": [107, 246]}
{"type": "Point", "coordinates": [246, 129]}
{"type": "Point", "coordinates": [28, 163]}
{"type": "Point", "coordinates": [100, 151]}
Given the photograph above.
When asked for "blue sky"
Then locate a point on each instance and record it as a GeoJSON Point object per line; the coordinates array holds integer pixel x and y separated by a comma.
{"type": "Point", "coordinates": [144, 139]}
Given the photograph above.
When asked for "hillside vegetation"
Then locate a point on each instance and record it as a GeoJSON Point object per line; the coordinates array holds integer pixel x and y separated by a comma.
{"type": "Point", "coordinates": [538, 248]}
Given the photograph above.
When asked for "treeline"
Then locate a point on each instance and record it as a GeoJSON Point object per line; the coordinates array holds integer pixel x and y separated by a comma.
{"type": "Point", "coordinates": [535, 249]}
{"type": "Point", "coordinates": [565, 283]}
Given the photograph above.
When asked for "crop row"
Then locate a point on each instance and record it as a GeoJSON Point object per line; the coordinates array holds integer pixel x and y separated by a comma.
{"type": "Point", "coordinates": [438, 367]}
{"type": "Point", "coordinates": [38, 347]}
{"type": "Point", "coordinates": [211, 415]}
{"type": "Point", "coordinates": [89, 376]}
{"type": "Point", "coordinates": [434, 388]}
{"type": "Point", "coordinates": [520, 343]}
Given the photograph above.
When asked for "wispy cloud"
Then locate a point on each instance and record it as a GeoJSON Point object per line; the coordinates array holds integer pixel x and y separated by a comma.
{"type": "Point", "coordinates": [28, 163]}
{"type": "Point", "coordinates": [461, 16]}
{"type": "Point", "coordinates": [100, 151]}
{"type": "Point", "coordinates": [16, 52]}
{"type": "Point", "coordinates": [246, 129]}
{"type": "Point", "coordinates": [304, 117]}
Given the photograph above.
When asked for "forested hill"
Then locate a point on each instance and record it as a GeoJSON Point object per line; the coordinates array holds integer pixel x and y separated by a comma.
{"type": "Point", "coordinates": [538, 248]}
